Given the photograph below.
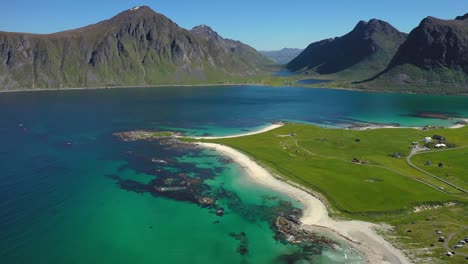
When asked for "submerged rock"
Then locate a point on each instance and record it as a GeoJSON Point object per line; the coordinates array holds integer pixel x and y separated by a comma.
{"type": "Point", "coordinates": [242, 249]}
{"type": "Point", "coordinates": [136, 135]}
{"type": "Point", "coordinates": [206, 201]}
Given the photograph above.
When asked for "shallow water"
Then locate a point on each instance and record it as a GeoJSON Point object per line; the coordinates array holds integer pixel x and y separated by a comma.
{"type": "Point", "coordinates": [71, 192]}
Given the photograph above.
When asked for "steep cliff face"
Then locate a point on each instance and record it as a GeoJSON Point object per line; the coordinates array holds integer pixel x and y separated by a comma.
{"type": "Point", "coordinates": [230, 52]}
{"type": "Point", "coordinates": [136, 47]}
{"type": "Point", "coordinates": [434, 58]}
{"type": "Point", "coordinates": [436, 43]}
{"type": "Point", "coordinates": [364, 51]}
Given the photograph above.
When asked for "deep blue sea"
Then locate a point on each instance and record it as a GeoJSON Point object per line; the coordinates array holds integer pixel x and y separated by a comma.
{"type": "Point", "coordinates": [71, 192]}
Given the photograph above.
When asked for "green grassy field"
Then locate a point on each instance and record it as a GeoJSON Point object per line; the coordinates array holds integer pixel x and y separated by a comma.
{"type": "Point", "coordinates": [321, 159]}
{"type": "Point", "coordinates": [375, 187]}
{"type": "Point", "coordinates": [455, 165]}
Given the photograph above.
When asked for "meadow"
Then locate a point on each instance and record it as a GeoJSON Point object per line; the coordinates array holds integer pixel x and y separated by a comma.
{"type": "Point", "coordinates": [364, 174]}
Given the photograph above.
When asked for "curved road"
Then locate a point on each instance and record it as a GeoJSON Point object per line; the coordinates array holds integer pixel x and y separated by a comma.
{"type": "Point", "coordinates": [415, 150]}
{"type": "Point", "coordinates": [370, 165]}
{"type": "Point", "coordinates": [446, 243]}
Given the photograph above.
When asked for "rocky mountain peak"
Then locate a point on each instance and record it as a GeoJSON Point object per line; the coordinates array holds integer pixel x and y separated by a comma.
{"type": "Point", "coordinates": [375, 25]}
{"type": "Point", "coordinates": [134, 13]}
{"type": "Point", "coordinates": [205, 32]}
{"type": "Point", "coordinates": [368, 48]}
{"type": "Point", "coordinates": [136, 47]}
{"type": "Point", "coordinates": [464, 17]}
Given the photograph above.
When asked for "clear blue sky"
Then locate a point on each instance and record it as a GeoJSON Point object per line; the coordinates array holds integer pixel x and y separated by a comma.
{"type": "Point", "coordinates": [263, 24]}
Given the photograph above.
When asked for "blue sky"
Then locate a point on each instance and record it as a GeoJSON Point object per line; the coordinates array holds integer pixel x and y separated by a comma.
{"type": "Point", "coordinates": [265, 25]}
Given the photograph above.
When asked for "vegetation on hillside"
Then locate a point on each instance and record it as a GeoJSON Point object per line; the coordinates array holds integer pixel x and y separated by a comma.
{"type": "Point", "coordinates": [135, 47]}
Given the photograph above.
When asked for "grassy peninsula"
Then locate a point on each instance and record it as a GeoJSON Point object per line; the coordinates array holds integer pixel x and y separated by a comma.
{"type": "Point", "coordinates": [369, 175]}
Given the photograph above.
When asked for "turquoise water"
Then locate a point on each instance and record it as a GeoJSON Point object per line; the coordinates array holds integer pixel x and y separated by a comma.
{"type": "Point", "coordinates": [70, 192]}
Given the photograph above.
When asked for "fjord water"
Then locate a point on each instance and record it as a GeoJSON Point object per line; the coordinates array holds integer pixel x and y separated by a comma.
{"type": "Point", "coordinates": [70, 192]}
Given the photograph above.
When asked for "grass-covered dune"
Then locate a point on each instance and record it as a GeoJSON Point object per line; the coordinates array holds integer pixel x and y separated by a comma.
{"type": "Point", "coordinates": [322, 160]}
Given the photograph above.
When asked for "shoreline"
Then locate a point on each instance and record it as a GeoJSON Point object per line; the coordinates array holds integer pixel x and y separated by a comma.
{"type": "Point", "coordinates": [359, 234]}
{"type": "Point", "coordinates": [371, 127]}
{"type": "Point", "coordinates": [265, 129]}
{"type": "Point", "coordinates": [224, 84]}
{"type": "Point", "coordinates": [129, 86]}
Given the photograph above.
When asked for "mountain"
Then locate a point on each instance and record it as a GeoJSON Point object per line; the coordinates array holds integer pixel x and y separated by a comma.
{"type": "Point", "coordinates": [230, 53]}
{"type": "Point", "coordinates": [434, 58]}
{"type": "Point", "coordinates": [283, 56]}
{"type": "Point", "coordinates": [135, 47]}
{"type": "Point", "coordinates": [361, 53]}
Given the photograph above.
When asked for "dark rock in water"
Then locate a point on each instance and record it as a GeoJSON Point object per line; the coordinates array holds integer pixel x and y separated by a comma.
{"type": "Point", "coordinates": [269, 197]}
{"type": "Point", "coordinates": [242, 249]}
{"type": "Point", "coordinates": [433, 115]}
{"type": "Point", "coordinates": [220, 212]}
{"type": "Point", "coordinates": [170, 189]}
{"type": "Point", "coordinates": [292, 231]}
{"type": "Point", "coordinates": [225, 160]}
{"type": "Point", "coordinates": [206, 201]}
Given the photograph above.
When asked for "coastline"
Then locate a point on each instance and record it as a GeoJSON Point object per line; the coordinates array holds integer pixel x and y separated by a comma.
{"type": "Point", "coordinates": [359, 234]}
{"type": "Point", "coordinates": [224, 84]}
{"type": "Point", "coordinates": [265, 129]}
{"type": "Point", "coordinates": [128, 86]}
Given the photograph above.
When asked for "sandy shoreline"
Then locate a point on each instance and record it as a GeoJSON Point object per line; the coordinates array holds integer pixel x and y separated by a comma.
{"type": "Point", "coordinates": [465, 120]}
{"type": "Point", "coordinates": [265, 129]}
{"type": "Point", "coordinates": [358, 234]}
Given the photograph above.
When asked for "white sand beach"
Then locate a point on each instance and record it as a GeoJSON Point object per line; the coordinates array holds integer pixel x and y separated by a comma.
{"type": "Point", "coordinates": [460, 125]}
{"type": "Point", "coordinates": [358, 234]}
{"type": "Point", "coordinates": [265, 129]}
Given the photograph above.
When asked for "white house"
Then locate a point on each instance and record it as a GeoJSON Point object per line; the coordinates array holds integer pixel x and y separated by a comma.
{"type": "Point", "coordinates": [427, 139]}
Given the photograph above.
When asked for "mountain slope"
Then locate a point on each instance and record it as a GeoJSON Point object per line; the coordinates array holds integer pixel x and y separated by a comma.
{"type": "Point", "coordinates": [361, 53]}
{"type": "Point", "coordinates": [434, 58]}
{"type": "Point", "coordinates": [136, 47]}
{"type": "Point", "coordinates": [282, 56]}
{"type": "Point", "coordinates": [229, 52]}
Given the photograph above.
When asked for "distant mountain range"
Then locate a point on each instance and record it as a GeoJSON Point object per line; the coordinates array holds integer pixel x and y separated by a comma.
{"type": "Point", "coordinates": [136, 47]}
{"type": "Point", "coordinates": [282, 56]}
{"type": "Point", "coordinates": [141, 47]}
{"type": "Point", "coordinates": [434, 58]}
{"type": "Point", "coordinates": [361, 53]}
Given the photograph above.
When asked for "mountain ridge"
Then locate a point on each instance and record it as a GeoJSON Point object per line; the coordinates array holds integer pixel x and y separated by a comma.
{"type": "Point", "coordinates": [135, 47]}
{"type": "Point", "coordinates": [282, 56]}
{"type": "Point", "coordinates": [364, 51]}
{"type": "Point", "coordinates": [434, 58]}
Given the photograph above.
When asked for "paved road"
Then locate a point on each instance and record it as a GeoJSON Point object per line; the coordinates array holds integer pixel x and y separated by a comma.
{"type": "Point", "coordinates": [447, 241]}
{"type": "Point", "coordinates": [370, 165]}
{"type": "Point", "coordinates": [416, 150]}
